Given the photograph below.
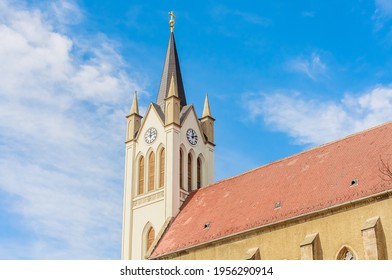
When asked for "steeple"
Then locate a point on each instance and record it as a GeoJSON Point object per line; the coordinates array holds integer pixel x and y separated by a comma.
{"type": "Point", "coordinates": [171, 67]}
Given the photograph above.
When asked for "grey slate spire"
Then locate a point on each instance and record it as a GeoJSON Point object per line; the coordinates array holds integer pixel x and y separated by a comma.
{"type": "Point", "coordinates": [171, 68]}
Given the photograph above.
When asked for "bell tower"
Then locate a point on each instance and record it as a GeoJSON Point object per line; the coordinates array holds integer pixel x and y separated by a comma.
{"type": "Point", "coordinates": [169, 153]}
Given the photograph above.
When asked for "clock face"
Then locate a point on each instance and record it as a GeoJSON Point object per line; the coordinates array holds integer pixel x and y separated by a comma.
{"type": "Point", "coordinates": [150, 135]}
{"type": "Point", "coordinates": [191, 136]}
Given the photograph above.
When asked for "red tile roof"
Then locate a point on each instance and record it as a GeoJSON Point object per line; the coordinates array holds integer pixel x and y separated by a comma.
{"type": "Point", "coordinates": [306, 182]}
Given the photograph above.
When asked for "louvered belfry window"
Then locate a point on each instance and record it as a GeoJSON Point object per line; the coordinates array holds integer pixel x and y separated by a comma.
{"type": "Point", "coordinates": [162, 169]}
{"type": "Point", "coordinates": [198, 173]}
{"type": "Point", "coordinates": [189, 172]}
{"type": "Point", "coordinates": [181, 170]}
{"type": "Point", "coordinates": [151, 171]}
{"type": "Point", "coordinates": [141, 176]}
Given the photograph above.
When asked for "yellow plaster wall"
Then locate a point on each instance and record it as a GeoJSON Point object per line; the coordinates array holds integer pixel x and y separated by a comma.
{"type": "Point", "coordinates": [283, 242]}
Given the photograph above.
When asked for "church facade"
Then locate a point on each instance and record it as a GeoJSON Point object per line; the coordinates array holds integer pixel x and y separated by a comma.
{"type": "Point", "coordinates": [330, 202]}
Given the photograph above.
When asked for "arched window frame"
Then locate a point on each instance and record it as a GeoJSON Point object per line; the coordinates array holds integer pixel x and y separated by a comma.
{"type": "Point", "coordinates": [146, 235]}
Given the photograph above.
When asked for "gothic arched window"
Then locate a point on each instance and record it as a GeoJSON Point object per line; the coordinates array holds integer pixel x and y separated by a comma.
{"type": "Point", "coordinates": [141, 176]}
{"type": "Point", "coordinates": [181, 170]}
{"type": "Point", "coordinates": [189, 172]}
{"type": "Point", "coordinates": [346, 254]}
{"type": "Point", "coordinates": [151, 171]}
{"type": "Point", "coordinates": [150, 238]}
{"type": "Point", "coordinates": [162, 168]}
{"type": "Point", "coordinates": [199, 172]}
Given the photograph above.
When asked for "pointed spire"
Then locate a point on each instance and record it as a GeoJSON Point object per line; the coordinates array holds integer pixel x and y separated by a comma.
{"type": "Point", "coordinates": [171, 68]}
{"type": "Point", "coordinates": [172, 88]}
{"type": "Point", "coordinates": [135, 106]}
{"type": "Point", "coordinates": [206, 110]}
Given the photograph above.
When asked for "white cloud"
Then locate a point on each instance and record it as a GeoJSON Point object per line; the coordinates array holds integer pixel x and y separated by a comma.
{"type": "Point", "coordinates": [312, 67]}
{"type": "Point", "coordinates": [61, 135]}
{"type": "Point", "coordinates": [316, 122]}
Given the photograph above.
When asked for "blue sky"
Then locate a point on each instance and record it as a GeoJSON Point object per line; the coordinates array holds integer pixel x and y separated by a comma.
{"type": "Point", "coordinates": [282, 77]}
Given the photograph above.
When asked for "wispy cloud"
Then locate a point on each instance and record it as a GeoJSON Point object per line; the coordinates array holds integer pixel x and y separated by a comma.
{"type": "Point", "coordinates": [313, 122]}
{"type": "Point", "coordinates": [311, 66]}
{"type": "Point", "coordinates": [382, 14]}
{"type": "Point", "coordinates": [308, 14]}
{"type": "Point", "coordinates": [228, 163]}
{"type": "Point", "coordinates": [384, 7]}
{"type": "Point", "coordinates": [66, 12]}
{"type": "Point", "coordinates": [61, 122]}
{"type": "Point", "coordinates": [252, 18]}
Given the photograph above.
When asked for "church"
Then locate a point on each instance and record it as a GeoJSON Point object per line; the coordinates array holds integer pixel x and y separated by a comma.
{"type": "Point", "coordinates": [332, 202]}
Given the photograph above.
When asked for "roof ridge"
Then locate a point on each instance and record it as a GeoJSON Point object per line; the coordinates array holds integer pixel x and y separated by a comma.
{"type": "Point", "coordinates": [300, 153]}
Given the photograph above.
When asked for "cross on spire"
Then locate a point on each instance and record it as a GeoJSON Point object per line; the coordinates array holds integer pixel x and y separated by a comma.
{"type": "Point", "coordinates": [171, 21]}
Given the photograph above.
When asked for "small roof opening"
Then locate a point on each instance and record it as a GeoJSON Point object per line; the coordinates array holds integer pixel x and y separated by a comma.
{"type": "Point", "coordinates": [206, 226]}
{"type": "Point", "coordinates": [277, 205]}
{"type": "Point", "coordinates": [354, 182]}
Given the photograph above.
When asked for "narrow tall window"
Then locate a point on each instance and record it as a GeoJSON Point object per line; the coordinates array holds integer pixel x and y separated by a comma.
{"type": "Point", "coordinates": [151, 171]}
{"type": "Point", "coordinates": [141, 176]}
{"type": "Point", "coordinates": [198, 173]}
{"type": "Point", "coordinates": [150, 238]}
{"type": "Point", "coordinates": [181, 170]}
{"type": "Point", "coordinates": [162, 169]}
{"type": "Point", "coordinates": [189, 172]}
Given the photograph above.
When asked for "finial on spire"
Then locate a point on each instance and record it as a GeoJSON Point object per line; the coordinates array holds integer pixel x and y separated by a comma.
{"type": "Point", "coordinates": [171, 21]}
{"type": "Point", "coordinates": [135, 106]}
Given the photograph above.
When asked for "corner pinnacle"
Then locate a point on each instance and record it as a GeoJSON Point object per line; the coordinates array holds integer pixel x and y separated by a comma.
{"type": "Point", "coordinates": [206, 110]}
{"type": "Point", "coordinates": [135, 106]}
